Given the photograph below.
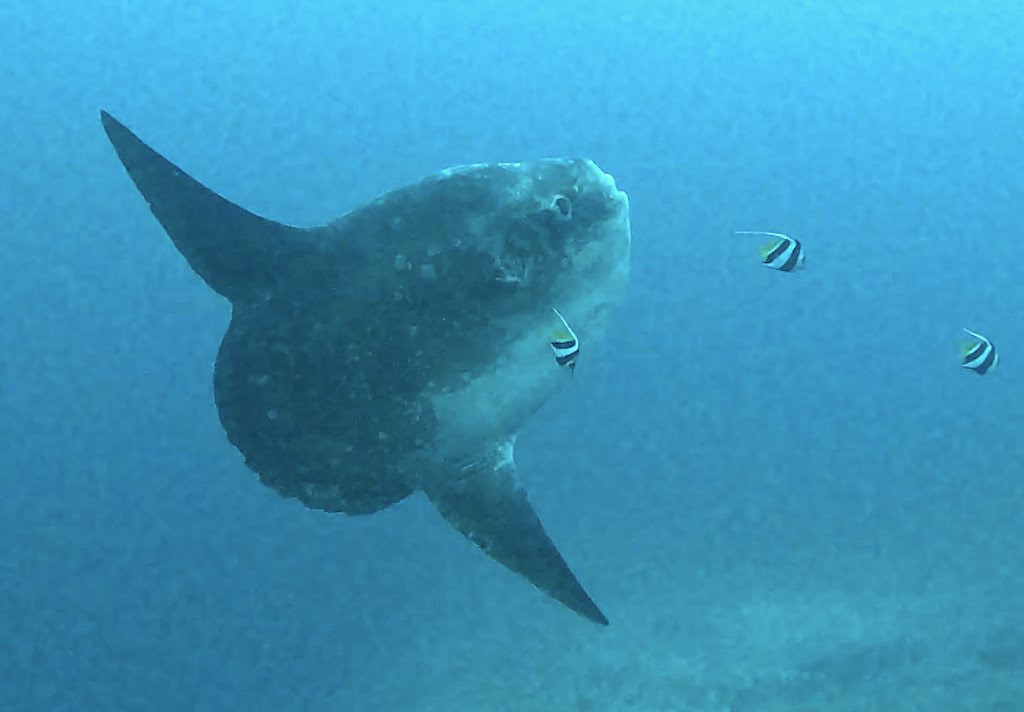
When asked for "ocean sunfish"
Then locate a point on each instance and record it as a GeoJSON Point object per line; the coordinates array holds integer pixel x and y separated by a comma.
{"type": "Point", "coordinates": [401, 347]}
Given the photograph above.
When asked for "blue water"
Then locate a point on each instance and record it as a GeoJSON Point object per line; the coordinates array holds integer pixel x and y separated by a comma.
{"type": "Point", "coordinates": [780, 488]}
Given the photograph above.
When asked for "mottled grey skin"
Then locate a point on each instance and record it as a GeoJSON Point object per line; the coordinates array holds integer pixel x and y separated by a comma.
{"type": "Point", "coordinates": [402, 346]}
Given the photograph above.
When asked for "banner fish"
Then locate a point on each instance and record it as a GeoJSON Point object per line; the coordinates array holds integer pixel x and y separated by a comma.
{"type": "Point", "coordinates": [565, 344]}
{"type": "Point", "coordinates": [783, 253]}
{"type": "Point", "coordinates": [978, 354]}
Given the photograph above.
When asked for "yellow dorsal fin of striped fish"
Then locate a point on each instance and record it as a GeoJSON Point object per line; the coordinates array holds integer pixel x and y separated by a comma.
{"type": "Point", "coordinates": [561, 335]}
{"type": "Point", "coordinates": [768, 248]}
{"type": "Point", "coordinates": [972, 341]}
{"type": "Point", "coordinates": [571, 333]}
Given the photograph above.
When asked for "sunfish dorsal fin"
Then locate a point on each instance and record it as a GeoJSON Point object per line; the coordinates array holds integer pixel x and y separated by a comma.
{"type": "Point", "coordinates": [238, 254]}
{"type": "Point", "coordinates": [485, 502]}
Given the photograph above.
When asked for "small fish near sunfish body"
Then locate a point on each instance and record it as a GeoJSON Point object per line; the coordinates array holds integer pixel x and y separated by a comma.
{"type": "Point", "coordinates": [978, 354]}
{"type": "Point", "coordinates": [783, 253]}
{"type": "Point", "coordinates": [565, 344]}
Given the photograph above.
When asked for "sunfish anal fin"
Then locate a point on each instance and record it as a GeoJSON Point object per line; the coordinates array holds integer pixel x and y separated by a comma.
{"type": "Point", "coordinates": [487, 504]}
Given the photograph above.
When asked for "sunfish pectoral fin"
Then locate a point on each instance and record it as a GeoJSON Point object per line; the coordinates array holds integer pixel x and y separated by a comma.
{"type": "Point", "coordinates": [238, 254]}
{"type": "Point", "coordinates": [487, 504]}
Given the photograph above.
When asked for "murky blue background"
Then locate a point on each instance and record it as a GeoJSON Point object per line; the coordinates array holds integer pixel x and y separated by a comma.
{"type": "Point", "coordinates": [780, 488]}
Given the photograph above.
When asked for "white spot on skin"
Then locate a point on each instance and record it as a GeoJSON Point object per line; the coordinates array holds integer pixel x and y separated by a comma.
{"type": "Point", "coordinates": [271, 415]}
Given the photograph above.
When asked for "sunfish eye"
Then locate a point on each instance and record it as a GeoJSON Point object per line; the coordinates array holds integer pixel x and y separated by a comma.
{"type": "Point", "coordinates": [564, 205]}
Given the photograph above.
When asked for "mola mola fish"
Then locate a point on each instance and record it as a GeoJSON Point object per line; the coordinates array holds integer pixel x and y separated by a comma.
{"type": "Point", "coordinates": [402, 347]}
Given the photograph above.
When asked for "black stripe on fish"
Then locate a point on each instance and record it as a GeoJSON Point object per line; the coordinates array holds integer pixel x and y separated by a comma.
{"type": "Point", "coordinates": [567, 359]}
{"type": "Point", "coordinates": [564, 344]}
{"type": "Point", "coordinates": [776, 252]}
{"type": "Point", "coordinates": [982, 368]}
{"type": "Point", "coordinates": [793, 258]}
{"type": "Point", "coordinates": [976, 352]}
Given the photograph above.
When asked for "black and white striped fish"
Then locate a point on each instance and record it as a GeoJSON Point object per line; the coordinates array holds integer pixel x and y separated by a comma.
{"type": "Point", "coordinates": [978, 354]}
{"type": "Point", "coordinates": [783, 253]}
{"type": "Point", "coordinates": [565, 344]}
